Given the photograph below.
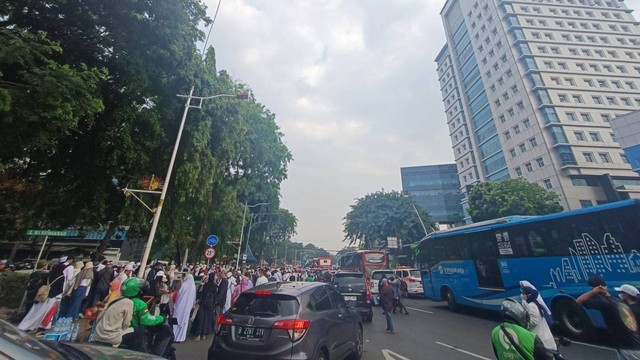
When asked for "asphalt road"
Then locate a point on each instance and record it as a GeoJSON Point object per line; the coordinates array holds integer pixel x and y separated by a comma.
{"type": "Point", "coordinates": [430, 331]}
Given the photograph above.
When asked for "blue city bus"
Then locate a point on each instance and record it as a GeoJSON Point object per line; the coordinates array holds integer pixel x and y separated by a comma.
{"type": "Point", "coordinates": [480, 265]}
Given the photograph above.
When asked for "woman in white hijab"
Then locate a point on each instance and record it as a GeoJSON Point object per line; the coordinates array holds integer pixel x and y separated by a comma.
{"type": "Point", "coordinates": [182, 310]}
{"type": "Point", "coordinates": [539, 300]}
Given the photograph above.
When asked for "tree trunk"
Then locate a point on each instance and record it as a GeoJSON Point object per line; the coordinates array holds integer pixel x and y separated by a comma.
{"type": "Point", "coordinates": [105, 243]}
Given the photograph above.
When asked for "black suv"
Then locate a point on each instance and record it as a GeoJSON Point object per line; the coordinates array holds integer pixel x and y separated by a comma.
{"type": "Point", "coordinates": [288, 320]}
{"type": "Point", "coordinates": [354, 288]}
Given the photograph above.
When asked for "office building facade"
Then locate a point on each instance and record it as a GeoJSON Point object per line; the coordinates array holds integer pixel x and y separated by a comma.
{"type": "Point", "coordinates": [530, 88]}
{"type": "Point", "coordinates": [436, 188]}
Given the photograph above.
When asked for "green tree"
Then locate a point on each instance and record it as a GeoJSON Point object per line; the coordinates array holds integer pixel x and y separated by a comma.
{"type": "Point", "coordinates": [377, 216]}
{"type": "Point", "coordinates": [127, 61]}
{"type": "Point", "coordinates": [490, 200]}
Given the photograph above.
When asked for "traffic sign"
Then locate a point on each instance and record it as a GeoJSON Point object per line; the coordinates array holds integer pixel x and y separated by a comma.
{"type": "Point", "coordinates": [209, 253]}
{"type": "Point", "coordinates": [47, 232]}
{"type": "Point", "coordinates": [212, 240]}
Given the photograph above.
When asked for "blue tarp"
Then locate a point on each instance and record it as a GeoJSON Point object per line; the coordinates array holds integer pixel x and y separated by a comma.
{"type": "Point", "coordinates": [250, 258]}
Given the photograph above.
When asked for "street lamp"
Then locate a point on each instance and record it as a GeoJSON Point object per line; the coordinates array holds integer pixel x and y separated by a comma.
{"type": "Point", "coordinates": [244, 216]}
{"type": "Point", "coordinates": [163, 194]}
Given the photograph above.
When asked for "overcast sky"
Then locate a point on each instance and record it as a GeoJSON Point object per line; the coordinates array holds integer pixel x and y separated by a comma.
{"type": "Point", "coordinates": [354, 89]}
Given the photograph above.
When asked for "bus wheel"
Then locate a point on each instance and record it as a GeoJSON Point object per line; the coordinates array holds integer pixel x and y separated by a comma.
{"type": "Point", "coordinates": [573, 320]}
{"type": "Point", "coordinates": [451, 300]}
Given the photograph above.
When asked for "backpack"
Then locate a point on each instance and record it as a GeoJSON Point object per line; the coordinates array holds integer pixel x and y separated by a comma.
{"type": "Point", "coordinates": [43, 292]}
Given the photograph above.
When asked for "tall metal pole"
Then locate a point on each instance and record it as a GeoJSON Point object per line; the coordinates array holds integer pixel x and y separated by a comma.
{"type": "Point", "coordinates": [244, 215]}
{"type": "Point", "coordinates": [420, 218]}
{"type": "Point", "coordinates": [167, 178]}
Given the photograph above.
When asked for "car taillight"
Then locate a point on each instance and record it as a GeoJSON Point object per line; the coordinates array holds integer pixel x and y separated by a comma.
{"type": "Point", "coordinates": [263, 292]}
{"type": "Point", "coordinates": [410, 279]}
{"type": "Point", "coordinates": [296, 328]}
{"type": "Point", "coordinates": [222, 320]}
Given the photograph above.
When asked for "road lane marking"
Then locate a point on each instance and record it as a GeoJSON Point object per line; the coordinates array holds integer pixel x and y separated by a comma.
{"type": "Point", "coordinates": [424, 311]}
{"type": "Point", "coordinates": [462, 351]}
{"type": "Point", "coordinates": [592, 345]}
{"type": "Point", "coordinates": [390, 355]}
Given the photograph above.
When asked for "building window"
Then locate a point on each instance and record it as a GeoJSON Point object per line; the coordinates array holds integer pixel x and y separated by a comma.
{"type": "Point", "coordinates": [597, 100]}
{"type": "Point", "coordinates": [595, 136]}
{"type": "Point", "coordinates": [540, 162]}
{"type": "Point", "coordinates": [604, 157]}
{"type": "Point", "coordinates": [586, 117]}
{"type": "Point", "coordinates": [512, 152]}
{"type": "Point", "coordinates": [507, 135]}
{"type": "Point", "coordinates": [579, 135]}
{"type": "Point", "coordinates": [547, 184]}
{"type": "Point", "coordinates": [571, 116]}
{"type": "Point", "coordinates": [624, 158]}
{"type": "Point", "coordinates": [533, 142]}
{"type": "Point", "coordinates": [522, 147]}
{"type": "Point", "coordinates": [516, 129]}
{"type": "Point", "coordinates": [526, 123]}
{"type": "Point", "coordinates": [518, 171]}
{"type": "Point", "coordinates": [529, 167]}
{"type": "Point", "coordinates": [586, 203]}
{"type": "Point", "coordinates": [588, 157]}
{"type": "Point", "coordinates": [577, 99]}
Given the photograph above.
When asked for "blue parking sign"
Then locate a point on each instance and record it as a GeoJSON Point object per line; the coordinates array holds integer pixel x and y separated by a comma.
{"type": "Point", "coordinates": [212, 240]}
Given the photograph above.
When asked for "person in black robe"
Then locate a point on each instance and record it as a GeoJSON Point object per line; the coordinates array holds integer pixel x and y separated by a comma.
{"type": "Point", "coordinates": [36, 280]}
{"type": "Point", "coordinates": [204, 322]}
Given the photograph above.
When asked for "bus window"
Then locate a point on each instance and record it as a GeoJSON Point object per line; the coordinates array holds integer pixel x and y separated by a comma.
{"type": "Point", "coordinates": [537, 246]}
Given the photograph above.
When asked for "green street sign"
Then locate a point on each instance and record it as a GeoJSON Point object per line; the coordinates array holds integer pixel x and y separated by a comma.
{"type": "Point", "coordinates": [47, 232]}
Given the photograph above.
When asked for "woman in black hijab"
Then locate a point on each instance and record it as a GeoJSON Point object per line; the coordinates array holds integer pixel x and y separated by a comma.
{"type": "Point", "coordinates": [204, 322]}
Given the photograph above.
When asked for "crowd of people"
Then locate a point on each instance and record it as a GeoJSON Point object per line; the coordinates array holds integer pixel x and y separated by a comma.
{"type": "Point", "coordinates": [192, 294]}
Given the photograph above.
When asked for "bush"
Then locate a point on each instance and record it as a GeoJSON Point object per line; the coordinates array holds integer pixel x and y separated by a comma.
{"type": "Point", "coordinates": [12, 288]}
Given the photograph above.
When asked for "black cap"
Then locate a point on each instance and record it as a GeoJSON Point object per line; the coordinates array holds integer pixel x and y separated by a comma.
{"type": "Point", "coordinates": [596, 281]}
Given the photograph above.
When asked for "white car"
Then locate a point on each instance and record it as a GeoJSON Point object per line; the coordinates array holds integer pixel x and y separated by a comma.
{"type": "Point", "coordinates": [413, 279]}
{"type": "Point", "coordinates": [374, 282]}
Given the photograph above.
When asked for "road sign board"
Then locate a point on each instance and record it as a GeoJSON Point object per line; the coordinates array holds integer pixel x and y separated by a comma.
{"type": "Point", "coordinates": [47, 232]}
{"type": "Point", "coordinates": [212, 240]}
{"type": "Point", "coordinates": [209, 253]}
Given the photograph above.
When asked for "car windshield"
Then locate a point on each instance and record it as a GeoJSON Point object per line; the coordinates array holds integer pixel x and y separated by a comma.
{"type": "Point", "coordinates": [267, 306]}
{"type": "Point", "coordinates": [349, 281]}
{"type": "Point", "coordinates": [415, 273]}
{"type": "Point", "coordinates": [374, 258]}
{"type": "Point", "coordinates": [30, 345]}
{"type": "Point", "coordinates": [378, 274]}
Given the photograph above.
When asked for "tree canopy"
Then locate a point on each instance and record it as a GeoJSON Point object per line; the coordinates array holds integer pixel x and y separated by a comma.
{"type": "Point", "coordinates": [490, 200]}
{"type": "Point", "coordinates": [88, 106]}
{"type": "Point", "coordinates": [377, 216]}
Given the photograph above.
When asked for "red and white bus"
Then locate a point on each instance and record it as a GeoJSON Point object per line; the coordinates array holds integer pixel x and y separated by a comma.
{"type": "Point", "coordinates": [364, 261]}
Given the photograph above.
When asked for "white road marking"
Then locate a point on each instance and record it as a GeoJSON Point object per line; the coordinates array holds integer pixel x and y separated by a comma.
{"type": "Point", "coordinates": [462, 351]}
{"type": "Point", "coordinates": [424, 311]}
{"type": "Point", "coordinates": [592, 345]}
{"type": "Point", "coordinates": [390, 355]}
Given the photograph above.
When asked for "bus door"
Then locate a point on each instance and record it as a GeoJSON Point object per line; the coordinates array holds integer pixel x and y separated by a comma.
{"type": "Point", "coordinates": [487, 252]}
{"type": "Point", "coordinates": [427, 284]}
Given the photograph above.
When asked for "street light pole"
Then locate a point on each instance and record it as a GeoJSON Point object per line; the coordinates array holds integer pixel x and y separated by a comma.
{"type": "Point", "coordinates": [163, 194]}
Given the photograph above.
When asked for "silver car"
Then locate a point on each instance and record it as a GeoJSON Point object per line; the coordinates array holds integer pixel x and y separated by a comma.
{"type": "Point", "coordinates": [15, 344]}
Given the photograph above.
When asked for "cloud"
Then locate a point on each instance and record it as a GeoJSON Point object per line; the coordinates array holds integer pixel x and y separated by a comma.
{"type": "Point", "coordinates": [354, 89]}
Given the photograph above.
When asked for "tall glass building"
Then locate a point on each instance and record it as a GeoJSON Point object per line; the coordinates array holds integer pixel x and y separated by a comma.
{"type": "Point", "coordinates": [529, 88]}
{"type": "Point", "coordinates": [436, 189]}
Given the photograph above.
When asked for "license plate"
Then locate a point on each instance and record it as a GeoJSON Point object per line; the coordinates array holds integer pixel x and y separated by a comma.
{"type": "Point", "coordinates": [350, 298]}
{"type": "Point", "coordinates": [249, 333]}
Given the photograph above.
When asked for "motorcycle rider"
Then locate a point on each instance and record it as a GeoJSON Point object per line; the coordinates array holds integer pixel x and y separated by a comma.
{"type": "Point", "coordinates": [511, 339]}
{"type": "Point", "coordinates": [110, 324]}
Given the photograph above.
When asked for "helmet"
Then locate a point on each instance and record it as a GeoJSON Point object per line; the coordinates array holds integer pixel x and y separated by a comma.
{"type": "Point", "coordinates": [133, 287]}
{"type": "Point", "coordinates": [513, 312]}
